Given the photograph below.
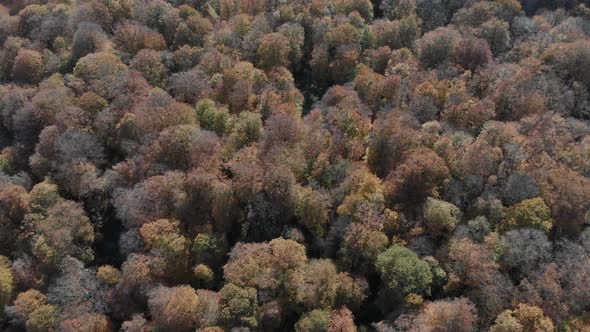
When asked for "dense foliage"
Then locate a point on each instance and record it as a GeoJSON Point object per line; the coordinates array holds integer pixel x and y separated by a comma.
{"type": "Point", "coordinates": [309, 165]}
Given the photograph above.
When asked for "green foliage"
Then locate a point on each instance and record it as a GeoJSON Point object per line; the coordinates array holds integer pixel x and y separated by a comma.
{"type": "Point", "coordinates": [528, 213]}
{"type": "Point", "coordinates": [440, 217]}
{"type": "Point", "coordinates": [192, 31]}
{"type": "Point", "coordinates": [397, 9]}
{"type": "Point", "coordinates": [497, 34]}
{"type": "Point", "coordinates": [402, 271]}
{"type": "Point", "coordinates": [273, 51]}
{"type": "Point", "coordinates": [312, 208]}
{"type": "Point", "coordinates": [237, 306]}
{"type": "Point", "coordinates": [313, 321]}
{"type": "Point", "coordinates": [213, 118]}
{"type": "Point", "coordinates": [247, 129]}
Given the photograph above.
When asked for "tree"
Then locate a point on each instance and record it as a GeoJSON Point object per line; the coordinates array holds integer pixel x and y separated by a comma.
{"type": "Point", "coordinates": [360, 191]}
{"type": "Point", "coordinates": [32, 310]}
{"type": "Point", "coordinates": [473, 53]}
{"type": "Point", "coordinates": [571, 58]}
{"type": "Point", "coordinates": [28, 67]}
{"type": "Point", "coordinates": [474, 15]}
{"type": "Point", "coordinates": [296, 36]}
{"type": "Point", "coordinates": [204, 273]}
{"type": "Point", "coordinates": [164, 235]}
{"type": "Point", "coordinates": [525, 250]}
{"type": "Point", "coordinates": [76, 290]}
{"type": "Point", "coordinates": [398, 9]}
{"type": "Point", "coordinates": [149, 64]}
{"type": "Point", "coordinates": [88, 322]}
{"type": "Point", "coordinates": [316, 285]}
{"type": "Point", "coordinates": [447, 315]}
{"type": "Point", "coordinates": [507, 10]}
{"type": "Point", "coordinates": [136, 324]}
{"type": "Point", "coordinates": [247, 129]}
{"type": "Point", "coordinates": [64, 230]}
{"type": "Point", "coordinates": [273, 51]}
{"type": "Point", "coordinates": [43, 196]}
{"type": "Point", "coordinates": [108, 274]}
{"type": "Point", "coordinates": [525, 318]}
{"type": "Point", "coordinates": [174, 308]}
{"type": "Point", "coordinates": [237, 306]}
{"type": "Point", "coordinates": [192, 31]}
{"type": "Point", "coordinates": [438, 46]}
{"type": "Point", "coordinates": [133, 38]}
{"type": "Point", "coordinates": [473, 264]}
{"type": "Point", "coordinates": [497, 34]}
{"type": "Point", "coordinates": [14, 201]}
{"type": "Point", "coordinates": [361, 244]}
{"type": "Point", "coordinates": [343, 68]}
{"type": "Point", "coordinates": [189, 86]}
{"type": "Point", "coordinates": [533, 213]}
{"type": "Point", "coordinates": [155, 198]}
{"type": "Point", "coordinates": [402, 271]}
{"type": "Point", "coordinates": [100, 70]}
{"type": "Point", "coordinates": [390, 143]}
{"type": "Point", "coordinates": [440, 217]}
{"type": "Point", "coordinates": [265, 265]}
{"type": "Point", "coordinates": [421, 174]}
{"type": "Point", "coordinates": [470, 114]}
{"type": "Point", "coordinates": [312, 208]}
{"type": "Point", "coordinates": [212, 117]}
{"type": "Point", "coordinates": [341, 320]}
{"type": "Point", "coordinates": [88, 38]}
{"type": "Point", "coordinates": [313, 321]}
{"type": "Point", "coordinates": [95, 12]}
{"type": "Point", "coordinates": [567, 194]}
{"type": "Point", "coordinates": [6, 283]}
{"type": "Point", "coordinates": [436, 13]}
{"type": "Point", "coordinates": [519, 187]}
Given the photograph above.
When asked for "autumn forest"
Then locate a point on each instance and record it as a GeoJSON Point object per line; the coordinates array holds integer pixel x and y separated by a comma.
{"type": "Point", "coordinates": [307, 165]}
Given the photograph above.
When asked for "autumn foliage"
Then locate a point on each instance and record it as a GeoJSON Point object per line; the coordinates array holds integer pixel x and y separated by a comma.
{"type": "Point", "coordinates": [309, 166]}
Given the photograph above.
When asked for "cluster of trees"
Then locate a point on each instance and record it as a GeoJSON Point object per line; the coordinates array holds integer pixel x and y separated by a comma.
{"type": "Point", "coordinates": [310, 165]}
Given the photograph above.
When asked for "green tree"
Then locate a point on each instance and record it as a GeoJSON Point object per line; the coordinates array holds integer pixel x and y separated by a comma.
{"type": "Point", "coordinates": [237, 306]}
{"type": "Point", "coordinates": [312, 209]}
{"type": "Point", "coordinates": [497, 33]}
{"type": "Point", "coordinates": [440, 217]}
{"type": "Point", "coordinates": [402, 271]}
{"type": "Point", "coordinates": [247, 129]}
{"type": "Point", "coordinates": [398, 9]}
{"type": "Point", "coordinates": [274, 51]}
{"type": "Point", "coordinates": [528, 213]}
{"type": "Point", "coordinates": [192, 31]}
{"type": "Point", "coordinates": [313, 321]}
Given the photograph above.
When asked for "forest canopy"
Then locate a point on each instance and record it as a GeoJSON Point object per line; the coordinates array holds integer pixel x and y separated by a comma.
{"type": "Point", "coordinates": [308, 165]}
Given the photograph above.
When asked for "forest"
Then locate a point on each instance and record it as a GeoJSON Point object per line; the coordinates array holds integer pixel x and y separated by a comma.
{"type": "Point", "coordinates": [306, 165]}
